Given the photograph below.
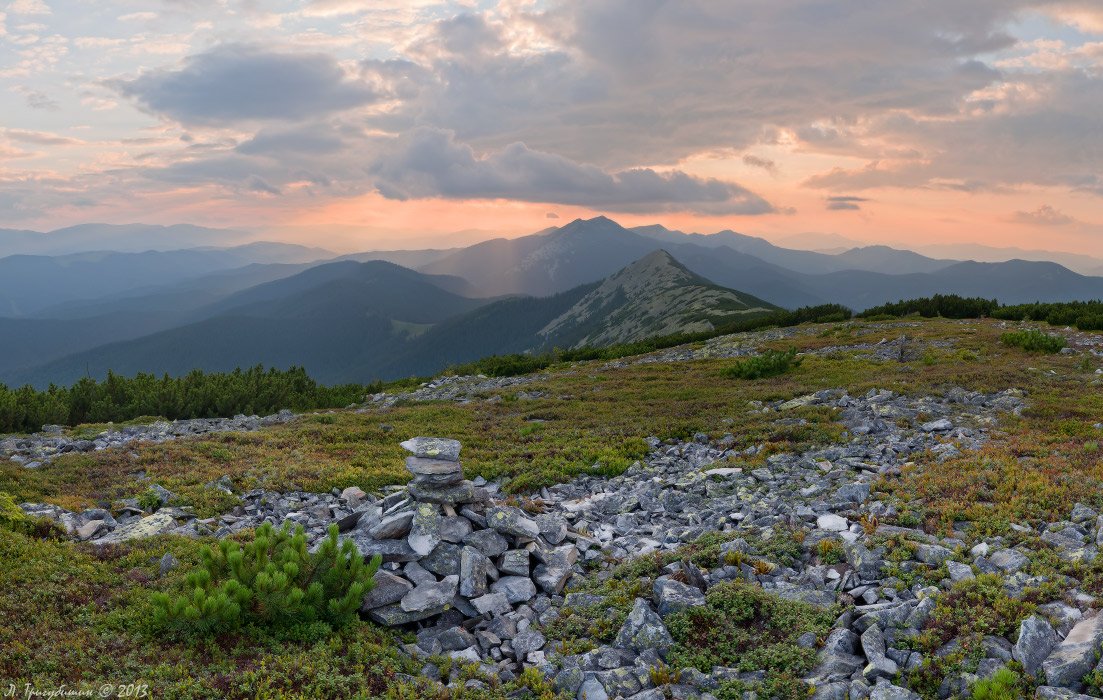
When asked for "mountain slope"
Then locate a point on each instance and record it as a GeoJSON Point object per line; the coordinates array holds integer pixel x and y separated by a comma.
{"type": "Point", "coordinates": [653, 296]}
{"type": "Point", "coordinates": [547, 262]}
{"type": "Point", "coordinates": [342, 321]}
{"type": "Point", "coordinates": [870, 258]}
{"type": "Point", "coordinates": [126, 238]}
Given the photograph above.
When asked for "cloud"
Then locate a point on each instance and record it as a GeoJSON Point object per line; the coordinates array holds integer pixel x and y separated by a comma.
{"type": "Point", "coordinates": [36, 99]}
{"type": "Point", "coordinates": [551, 215]}
{"type": "Point", "coordinates": [757, 162]}
{"type": "Point", "coordinates": [29, 7]}
{"type": "Point", "coordinates": [235, 83]}
{"type": "Point", "coordinates": [1044, 215]}
{"type": "Point", "coordinates": [40, 138]}
{"type": "Point", "coordinates": [431, 163]}
{"type": "Point", "coordinates": [845, 203]}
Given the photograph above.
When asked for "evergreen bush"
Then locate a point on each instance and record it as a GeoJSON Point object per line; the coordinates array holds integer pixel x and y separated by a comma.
{"type": "Point", "coordinates": [769, 364]}
{"type": "Point", "coordinates": [272, 584]}
{"type": "Point", "coordinates": [1033, 340]}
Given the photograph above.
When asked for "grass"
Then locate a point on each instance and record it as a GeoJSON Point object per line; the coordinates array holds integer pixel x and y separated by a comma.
{"type": "Point", "coordinates": [72, 615]}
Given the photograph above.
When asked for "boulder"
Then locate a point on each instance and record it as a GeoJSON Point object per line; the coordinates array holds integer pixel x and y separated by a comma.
{"type": "Point", "coordinates": [644, 630]}
{"type": "Point", "coordinates": [433, 448]}
{"type": "Point", "coordinates": [1067, 665]}
{"type": "Point", "coordinates": [1036, 641]}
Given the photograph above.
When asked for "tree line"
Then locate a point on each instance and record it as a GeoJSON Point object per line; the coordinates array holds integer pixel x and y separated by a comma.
{"type": "Point", "coordinates": [1083, 315]}
{"type": "Point", "coordinates": [197, 394]}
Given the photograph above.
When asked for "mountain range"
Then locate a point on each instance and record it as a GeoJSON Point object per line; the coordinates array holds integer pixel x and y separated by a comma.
{"type": "Point", "coordinates": [387, 314]}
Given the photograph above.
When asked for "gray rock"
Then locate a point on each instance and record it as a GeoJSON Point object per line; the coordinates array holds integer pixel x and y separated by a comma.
{"type": "Point", "coordinates": [516, 589]}
{"type": "Point", "coordinates": [425, 529]}
{"type": "Point", "coordinates": [435, 472]}
{"type": "Point", "coordinates": [832, 522]}
{"type": "Point", "coordinates": [932, 554]}
{"type": "Point", "coordinates": [644, 630]}
{"type": "Point", "coordinates": [673, 596]}
{"type": "Point", "coordinates": [474, 568]}
{"type": "Point", "coordinates": [388, 589]}
{"type": "Point", "coordinates": [959, 571]}
{"type": "Point", "coordinates": [393, 615]}
{"type": "Point", "coordinates": [511, 521]}
{"type": "Point", "coordinates": [433, 448]}
{"type": "Point", "coordinates": [463, 492]}
{"type": "Point", "coordinates": [527, 642]}
{"type": "Point", "coordinates": [853, 493]}
{"type": "Point", "coordinates": [553, 573]}
{"type": "Point", "coordinates": [1036, 641]}
{"type": "Point", "coordinates": [937, 426]}
{"type": "Point", "coordinates": [515, 562]}
{"type": "Point", "coordinates": [157, 524]}
{"type": "Point", "coordinates": [1009, 560]}
{"type": "Point", "coordinates": [488, 542]}
{"type": "Point", "coordinates": [430, 596]}
{"type": "Point", "coordinates": [455, 528]}
{"type": "Point", "coordinates": [887, 691]}
{"type": "Point", "coordinates": [393, 526]}
{"type": "Point", "coordinates": [1067, 665]}
{"type": "Point", "coordinates": [879, 665]}
{"type": "Point", "coordinates": [444, 560]}
{"type": "Point", "coordinates": [492, 604]}
{"type": "Point", "coordinates": [1047, 692]}
{"type": "Point", "coordinates": [592, 689]}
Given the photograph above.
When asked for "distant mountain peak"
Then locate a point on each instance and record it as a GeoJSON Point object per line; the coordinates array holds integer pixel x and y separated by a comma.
{"type": "Point", "coordinates": [655, 295]}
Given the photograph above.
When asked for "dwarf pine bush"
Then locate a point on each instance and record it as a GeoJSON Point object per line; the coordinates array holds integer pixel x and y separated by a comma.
{"type": "Point", "coordinates": [769, 364]}
{"type": "Point", "coordinates": [271, 583]}
{"type": "Point", "coordinates": [1033, 340]}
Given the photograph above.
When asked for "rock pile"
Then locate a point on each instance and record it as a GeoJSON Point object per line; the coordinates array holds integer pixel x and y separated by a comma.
{"type": "Point", "coordinates": [476, 574]}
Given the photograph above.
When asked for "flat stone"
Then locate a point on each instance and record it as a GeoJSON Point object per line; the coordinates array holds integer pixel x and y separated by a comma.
{"type": "Point", "coordinates": [90, 529]}
{"type": "Point", "coordinates": [853, 493]}
{"type": "Point", "coordinates": [1048, 692]}
{"type": "Point", "coordinates": [515, 562]}
{"type": "Point", "coordinates": [157, 524]}
{"type": "Point", "coordinates": [879, 665]}
{"type": "Point", "coordinates": [932, 554]}
{"type": "Point", "coordinates": [937, 426]}
{"type": "Point", "coordinates": [887, 691]}
{"type": "Point", "coordinates": [388, 589]}
{"type": "Point", "coordinates": [437, 472]}
{"type": "Point", "coordinates": [516, 589]}
{"type": "Point", "coordinates": [433, 448]}
{"type": "Point", "coordinates": [393, 615]}
{"type": "Point", "coordinates": [430, 596]}
{"type": "Point", "coordinates": [488, 542]}
{"type": "Point", "coordinates": [492, 604]}
{"type": "Point", "coordinates": [1009, 560]}
{"type": "Point", "coordinates": [454, 528]}
{"type": "Point", "coordinates": [393, 527]}
{"type": "Point", "coordinates": [527, 642]}
{"type": "Point", "coordinates": [463, 492]}
{"type": "Point", "coordinates": [444, 560]}
{"type": "Point", "coordinates": [512, 521]}
{"type": "Point", "coordinates": [389, 550]}
{"type": "Point", "coordinates": [832, 522]}
{"type": "Point", "coordinates": [1074, 657]}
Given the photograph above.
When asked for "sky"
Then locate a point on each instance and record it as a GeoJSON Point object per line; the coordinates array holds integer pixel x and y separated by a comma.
{"type": "Point", "coordinates": [353, 123]}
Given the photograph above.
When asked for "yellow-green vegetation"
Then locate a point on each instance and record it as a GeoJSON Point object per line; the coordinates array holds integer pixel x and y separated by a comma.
{"type": "Point", "coordinates": [743, 626]}
{"type": "Point", "coordinates": [1004, 684]}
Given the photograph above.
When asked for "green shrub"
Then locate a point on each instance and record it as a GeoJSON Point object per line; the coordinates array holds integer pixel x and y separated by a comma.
{"type": "Point", "coordinates": [272, 583]}
{"type": "Point", "coordinates": [769, 364]}
{"type": "Point", "coordinates": [1004, 684]}
{"type": "Point", "coordinates": [1033, 340]}
{"type": "Point", "coordinates": [12, 516]}
{"type": "Point", "coordinates": [149, 501]}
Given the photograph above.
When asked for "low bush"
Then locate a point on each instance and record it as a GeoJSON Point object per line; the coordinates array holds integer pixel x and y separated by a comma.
{"type": "Point", "coordinates": [272, 584]}
{"type": "Point", "coordinates": [1033, 340]}
{"type": "Point", "coordinates": [769, 364]}
{"type": "Point", "coordinates": [745, 627]}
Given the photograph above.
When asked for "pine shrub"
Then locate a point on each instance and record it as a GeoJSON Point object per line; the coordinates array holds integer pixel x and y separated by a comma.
{"type": "Point", "coordinates": [271, 584]}
{"type": "Point", "coordinates": [769, 364]}
{"type": "Point", "coordinates": [1033, 340]}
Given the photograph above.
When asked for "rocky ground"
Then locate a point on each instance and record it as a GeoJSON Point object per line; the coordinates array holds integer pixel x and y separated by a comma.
{"type": "Point", "coordinates": [40, 448]}
{"type": "Point", "coordinates": [484, 579]}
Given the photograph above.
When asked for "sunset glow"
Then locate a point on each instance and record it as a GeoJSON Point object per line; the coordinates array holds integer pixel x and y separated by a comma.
{"type": "Point", "coordinates": [353, 125]}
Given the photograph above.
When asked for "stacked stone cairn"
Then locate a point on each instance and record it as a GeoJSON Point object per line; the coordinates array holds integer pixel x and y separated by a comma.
{"type": "Point", "coordinates": [473, 575]}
